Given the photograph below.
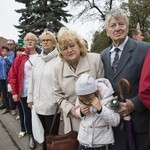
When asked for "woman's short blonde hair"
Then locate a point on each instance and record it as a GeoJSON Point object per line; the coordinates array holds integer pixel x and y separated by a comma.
{"type": "Point", "coordinates": [117, 15]}
{"type": "Point", "coordinates": [66, 35]}
{"type": "Point", "coordinates": [30, 35]}
{"type": "Point", "coordinates": [50, 34]}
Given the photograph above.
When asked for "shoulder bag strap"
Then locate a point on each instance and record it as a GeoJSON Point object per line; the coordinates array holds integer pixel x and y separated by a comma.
{"type": "Point", "coordinates": [58, 106]}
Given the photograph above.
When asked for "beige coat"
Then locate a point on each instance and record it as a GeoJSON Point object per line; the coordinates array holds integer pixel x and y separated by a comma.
{"type": "Point", "coordinates": [65, 79]}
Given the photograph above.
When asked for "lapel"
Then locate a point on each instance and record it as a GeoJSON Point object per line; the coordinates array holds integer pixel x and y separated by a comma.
{"type": "Point", "coordinates": [83, 66]}
{"type": "Point", "coordinates": [125, 56]}
{"type": "Point", "coordinates": [107, 61]}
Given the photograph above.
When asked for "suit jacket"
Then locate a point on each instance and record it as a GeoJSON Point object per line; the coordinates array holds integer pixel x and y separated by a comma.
{"type": "Point", "coordinates": [129, 67]}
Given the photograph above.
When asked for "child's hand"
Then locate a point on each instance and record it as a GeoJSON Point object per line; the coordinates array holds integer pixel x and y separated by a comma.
{"type": "Point", "coordinates": [96, 103]}
{"type": "Point", "coordinates": [85, 110]}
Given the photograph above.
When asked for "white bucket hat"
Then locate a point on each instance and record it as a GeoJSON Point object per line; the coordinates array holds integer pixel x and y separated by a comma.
{"type": "Point", "coordinates": [85, 85]}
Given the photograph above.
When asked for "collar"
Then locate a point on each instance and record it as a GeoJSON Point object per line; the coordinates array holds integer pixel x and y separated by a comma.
{"type": "Point", "coordinates": [121, 46]}
{"type": "Point", "coordinates": [83, 66]}
{"type": "Point", "coordinates": [48, 56]}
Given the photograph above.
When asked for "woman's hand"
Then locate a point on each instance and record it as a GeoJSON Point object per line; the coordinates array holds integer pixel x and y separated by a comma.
{"type": "Point", "coordinates": [30, 104]}
{"type": "Point", "coordinates": [15, 97]}
{"type": "Point", "coordinates": [73, 111]}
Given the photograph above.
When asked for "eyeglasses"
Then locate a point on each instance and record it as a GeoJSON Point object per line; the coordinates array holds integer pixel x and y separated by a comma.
{"type": "Point", "coordinates": [46, 40]}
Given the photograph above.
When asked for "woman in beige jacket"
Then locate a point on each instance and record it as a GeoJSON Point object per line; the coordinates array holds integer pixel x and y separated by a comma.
{"type": "Point", "coordinates": [74, 61]}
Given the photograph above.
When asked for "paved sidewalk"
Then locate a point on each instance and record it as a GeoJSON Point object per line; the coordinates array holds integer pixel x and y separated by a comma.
{"type": "Point", "coordinates": [13, 126]}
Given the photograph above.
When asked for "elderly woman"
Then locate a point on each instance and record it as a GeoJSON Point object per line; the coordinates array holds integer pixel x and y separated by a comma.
{"type": "Point", "coordinates": [74, 61]}
{"type": "Point", "coordinates": [39, 92]}
{"type": "Point", "coordinates": [19, 80]}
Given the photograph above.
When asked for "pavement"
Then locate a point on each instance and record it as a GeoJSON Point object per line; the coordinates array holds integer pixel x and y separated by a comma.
{"type": "Point", "coordinates": [13, 127]}
{"type": "Point", "coordinates": [6, 142]}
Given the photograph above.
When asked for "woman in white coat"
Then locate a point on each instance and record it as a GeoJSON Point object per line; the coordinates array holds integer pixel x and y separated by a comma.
{"type": "Point", "coordinates": [74, 61]}
{"type": "Point", "coordinates": [39, 92]}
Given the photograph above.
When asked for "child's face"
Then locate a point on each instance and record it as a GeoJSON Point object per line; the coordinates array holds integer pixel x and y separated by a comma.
{"type": "Point", "coordinates": [86, 99]}
{"type": "Point", "coordinates": [4, 52]}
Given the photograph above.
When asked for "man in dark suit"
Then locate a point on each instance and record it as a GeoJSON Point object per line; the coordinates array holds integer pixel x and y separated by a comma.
{"type": "Point", "coordinates": [124, 59]}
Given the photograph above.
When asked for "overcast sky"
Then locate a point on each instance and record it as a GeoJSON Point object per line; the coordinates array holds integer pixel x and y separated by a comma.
{"type": "Point", "coordinates": [9, 18]}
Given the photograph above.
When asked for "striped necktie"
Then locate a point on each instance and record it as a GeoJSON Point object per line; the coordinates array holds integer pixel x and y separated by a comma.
{"type": "Point", "coordinates": [116, 59]}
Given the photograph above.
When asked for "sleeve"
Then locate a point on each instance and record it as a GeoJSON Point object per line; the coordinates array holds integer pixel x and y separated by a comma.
{"type": "Point", "coordinates": [13, 76]}
{"type": "Point", "coordinates": [100, 67]}
{"type": "Point", "coordinates": [106, 92]}
{"type": "Point", "coordinates": [78, 109]}
{"type": "Point", "coordinates": [11, 58]}
{"type": "Point", "coordinates": [111, 117]}
{"type": "Point", "coordinates": [8, 61]}
{"type": "Point", "coordinates": [144, 87]}
{"type": "Point", "coordinates": [58, 94]}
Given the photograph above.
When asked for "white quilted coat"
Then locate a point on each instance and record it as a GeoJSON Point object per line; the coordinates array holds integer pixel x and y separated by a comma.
{"type": "Point", "coordinates": [95, 129]}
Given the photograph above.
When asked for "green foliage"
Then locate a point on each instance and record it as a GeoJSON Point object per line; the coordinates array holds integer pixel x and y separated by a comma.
{"type": "Point", "coordinates": [139, 11]}
{"type": "Point", "coordinates": [40, 15]}
{"type": "Point", "coordinates": [100, 41]}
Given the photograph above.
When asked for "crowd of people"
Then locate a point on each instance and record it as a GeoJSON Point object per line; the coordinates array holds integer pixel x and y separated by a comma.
{"type": "Point", "coordinates": [86, 84]}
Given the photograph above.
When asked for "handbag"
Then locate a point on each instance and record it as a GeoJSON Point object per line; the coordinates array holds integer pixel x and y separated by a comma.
{"type": "Point", "coordinates": [66, 141]}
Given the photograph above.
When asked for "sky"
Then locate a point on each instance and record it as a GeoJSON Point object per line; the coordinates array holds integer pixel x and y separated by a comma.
{"type": "Point", "coordinates": [8, 18]}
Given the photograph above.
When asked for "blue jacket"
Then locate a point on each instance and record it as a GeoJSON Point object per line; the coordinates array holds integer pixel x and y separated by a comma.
{"type": "Point", "coordinates": [4, 64]}
{"type": "Point", "coordinates": [11, 56]}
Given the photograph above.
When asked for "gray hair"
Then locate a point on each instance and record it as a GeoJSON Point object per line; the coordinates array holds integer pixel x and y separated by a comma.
{"type": "Point", "coordinates": [30, 35]}
{"type": "Point", "coordinates": [117, 15]}
{"type": "Point", "coordinates": [50, 34]}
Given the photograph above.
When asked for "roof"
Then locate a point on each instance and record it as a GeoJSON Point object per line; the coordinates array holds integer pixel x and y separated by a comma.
{"type": "Point", "coordinates": [3, 41]}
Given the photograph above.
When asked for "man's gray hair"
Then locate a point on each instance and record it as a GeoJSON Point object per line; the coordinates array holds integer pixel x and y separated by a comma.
{"type": "Point", "coordinates": [117, 15]}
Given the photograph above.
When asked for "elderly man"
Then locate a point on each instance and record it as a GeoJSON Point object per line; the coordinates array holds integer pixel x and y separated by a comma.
{"type": "Point", "coordinates": [136, 34]}
{"type": "Point", "coordinates": [124, 59]}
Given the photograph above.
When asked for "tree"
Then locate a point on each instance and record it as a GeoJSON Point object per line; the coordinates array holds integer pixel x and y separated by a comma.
{"type": "Point", "coordinates": [100, 41]}
{"type": "Point", "coordinates": [93, 9]}
{"type": "Point", "coordinates": [39, 15]}
{"type": "Point", "coordinates": [139, 12]}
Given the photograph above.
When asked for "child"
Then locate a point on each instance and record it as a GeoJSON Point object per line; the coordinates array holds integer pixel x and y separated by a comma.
{"type": "Point", "coordinates": [94, 108]}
